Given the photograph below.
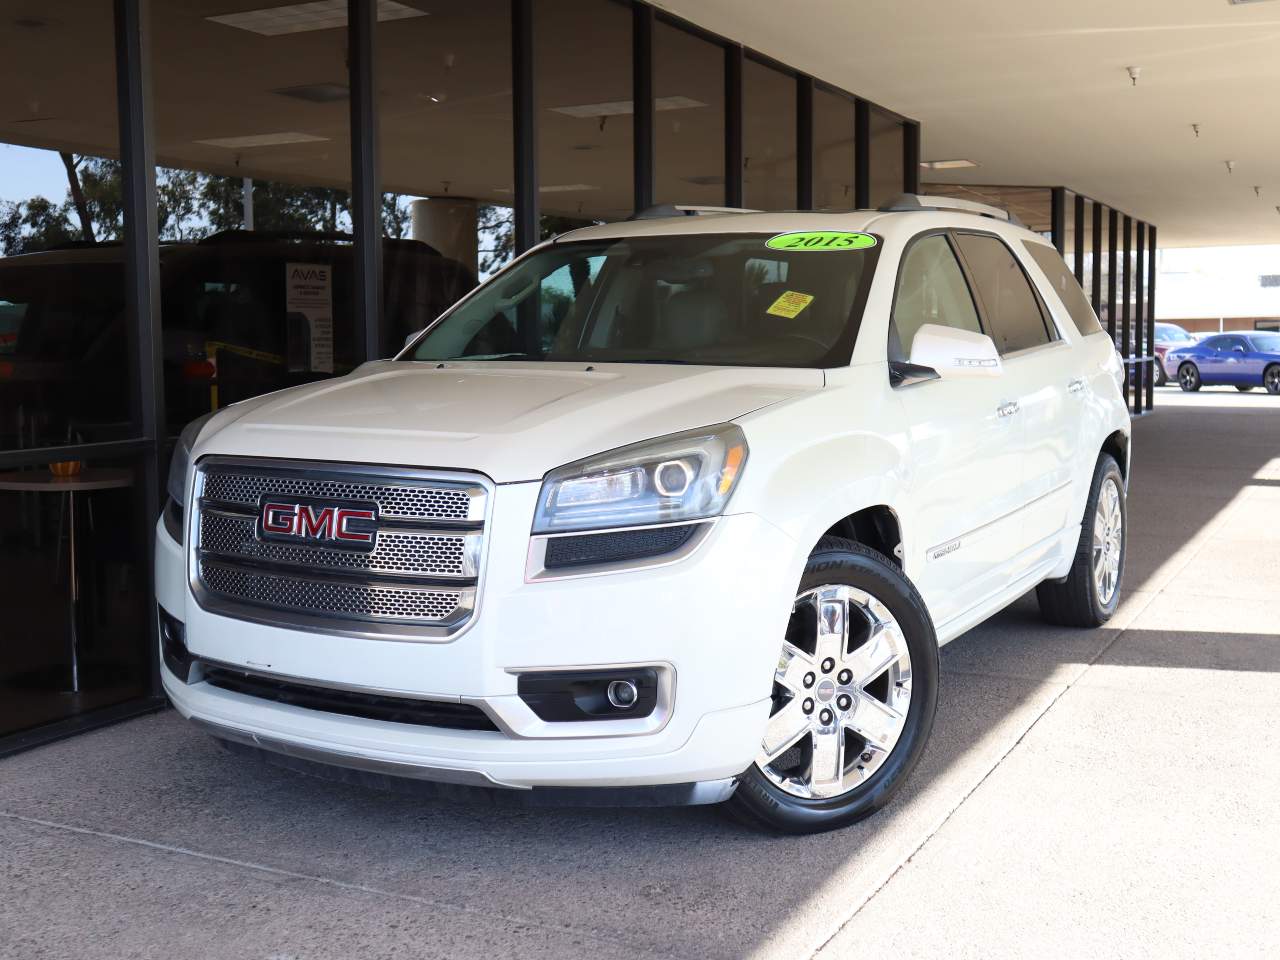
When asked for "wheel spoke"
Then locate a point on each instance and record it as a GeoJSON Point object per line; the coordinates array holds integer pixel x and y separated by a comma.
{"type": "Point", "coordinates": [833, 625]}
{"type": "Point", "coordinates": [880, 651]}
{"type": "Point", "coordinates": [875, 722]}
{"type": "Point", "coordinates": [793, 664]}
{"type": "Point", "coordinates": [783, 729]}
{"type": "Point", "coordinates": [826, 773]}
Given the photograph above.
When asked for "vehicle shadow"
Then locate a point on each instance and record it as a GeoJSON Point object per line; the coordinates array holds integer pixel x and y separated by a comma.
{"type": "Point", "coordinates": [493, 879]}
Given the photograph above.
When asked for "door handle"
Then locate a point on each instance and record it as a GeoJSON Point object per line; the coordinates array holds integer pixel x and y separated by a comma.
{"type": "Point", "coordinates": [1076, 385]}
{"type": "Point", "coordinates": [1007, 409]}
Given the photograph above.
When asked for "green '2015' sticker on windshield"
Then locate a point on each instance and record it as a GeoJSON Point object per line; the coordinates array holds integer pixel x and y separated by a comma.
{"type": "Point", "coordinates": [821, 240]}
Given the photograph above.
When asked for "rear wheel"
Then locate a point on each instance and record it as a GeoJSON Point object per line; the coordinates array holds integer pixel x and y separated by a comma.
{"type": "Point", "coordinates": [1091, 591]}
{"type": "Point", "coordinates": [1271, 379]}
{"type": "Point", "coordinates": [1161, 377]}
{"type": "Point", "coordinates": [1189, 377]}
{"type": "Point", "coordinates": [854, 694]}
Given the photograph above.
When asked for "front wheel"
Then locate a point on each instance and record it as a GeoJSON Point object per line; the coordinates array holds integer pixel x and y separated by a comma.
{"type": "Point", "coordinates": [854, 695]}
{"type": "Point", "coordinates": [1189, 377]}
{"type": "Point", "coordinates": [1161, 377]}
{"type": "Point", "coordinates": [1271, 379]}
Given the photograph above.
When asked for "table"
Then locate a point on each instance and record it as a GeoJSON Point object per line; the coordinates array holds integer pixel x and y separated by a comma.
{"type": "Point", "coordinates": [87, 481]}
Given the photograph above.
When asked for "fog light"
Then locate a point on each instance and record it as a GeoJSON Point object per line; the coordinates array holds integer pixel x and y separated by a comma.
{"type": "Point", "coordinates": [626, 693]}
{"type": "Point", "coordinates": [623, 694]}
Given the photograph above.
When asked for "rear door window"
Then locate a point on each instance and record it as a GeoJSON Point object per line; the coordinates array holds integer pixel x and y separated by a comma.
{"type": "Point", "coordinates": [1010, 305]}
{"type": "Point", "coordinates": [1065, 286]}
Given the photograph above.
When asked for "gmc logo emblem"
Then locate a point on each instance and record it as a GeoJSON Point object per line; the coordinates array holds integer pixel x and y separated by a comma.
{"type": "Point", "coordinates": [344, 524]}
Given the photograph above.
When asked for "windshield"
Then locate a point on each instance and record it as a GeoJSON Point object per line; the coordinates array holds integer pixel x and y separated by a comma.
{"type": "Point", "coordinates": [1172, 333]}
{"type": "Point", "coordinates": [726, 300]}
{"type": "Point", "coordinates": [1266, 342]}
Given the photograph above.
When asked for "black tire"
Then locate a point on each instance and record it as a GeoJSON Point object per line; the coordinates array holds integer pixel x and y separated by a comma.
{"type": "Point", "coordinates": [1189, 377]}
{"type": "Point", "coordinates": [1271, 379]}
{"type": "Point", "coordinates": [1161, 377]}
{"type": "Point", "coordinates": [1244, 387]}
{"type": "Point", "coordinates": [1075, 601]}
{"type": "Point", "coordinates": [761, 803]}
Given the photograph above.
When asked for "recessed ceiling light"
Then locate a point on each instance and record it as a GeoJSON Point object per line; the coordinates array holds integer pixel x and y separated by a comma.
{"type": "Point", "coordinates": [947, 164]}
{"type": "Point", "coordinates": [616, 108]}
{"type": "Point", "coordinates": [317, 92]}
{"type": "Point", "coordinates": [1236, 3]}
{"type": "Point", "coordinates": [302, 17]}
{"type": "Point", "coordinates": [262, 140]}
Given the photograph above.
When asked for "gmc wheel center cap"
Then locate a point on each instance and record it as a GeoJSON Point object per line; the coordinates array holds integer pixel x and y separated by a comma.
{"type": "Point", "coordinates": [826, 690]}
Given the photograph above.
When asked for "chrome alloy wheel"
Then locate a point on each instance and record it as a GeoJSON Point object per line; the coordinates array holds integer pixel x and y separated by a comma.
{"type": "Point", "coordinates": [1108, 540]}
{"type": "Point", "coordinates": [842, 690]}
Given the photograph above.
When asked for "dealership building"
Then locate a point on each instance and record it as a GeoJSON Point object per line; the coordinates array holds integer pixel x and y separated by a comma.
{"type": "Point", "coordinates": [254, 194]}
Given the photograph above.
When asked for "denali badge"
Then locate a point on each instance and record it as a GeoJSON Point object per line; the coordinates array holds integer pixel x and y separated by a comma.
{"type": "Point", "coordinates": [343, 524]}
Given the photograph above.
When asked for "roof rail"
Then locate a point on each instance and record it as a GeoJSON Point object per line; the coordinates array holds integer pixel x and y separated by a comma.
{"type": "Point", "coordinates": [663, 210]}
{"type": "Point", "coordinates": [904, 202]}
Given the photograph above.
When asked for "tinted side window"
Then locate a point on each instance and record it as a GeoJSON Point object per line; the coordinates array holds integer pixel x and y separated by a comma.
{"type": "Point", "coordinates": [1066, 287]}
{"type": "Point", "coordinates": [1235, 343]}
{"type": "Point", "coordinates": [1011, 307]}
{"type": "Point", "coordinates": [931, 289]}
{"type": "Point", "coordinates": [1214, 343]}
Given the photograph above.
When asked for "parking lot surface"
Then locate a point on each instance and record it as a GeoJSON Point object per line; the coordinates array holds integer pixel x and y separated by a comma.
{"type": "Point", "coordinates": [1086, 793]}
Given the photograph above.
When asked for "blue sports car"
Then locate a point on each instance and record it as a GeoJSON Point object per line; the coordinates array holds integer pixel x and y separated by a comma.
{"type": "Point", "coordinates": [1243, 360]}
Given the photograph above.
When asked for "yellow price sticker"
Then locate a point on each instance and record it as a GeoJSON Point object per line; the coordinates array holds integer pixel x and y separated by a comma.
{"type": "Point", "coordinates": [790, 304]}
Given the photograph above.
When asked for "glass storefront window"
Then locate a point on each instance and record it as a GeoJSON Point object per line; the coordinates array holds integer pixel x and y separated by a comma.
{"type": "Point", "coordinates": [768, 137]}
{"type": "Point", "coordinates": [73, 588]}
{"type": "Point", "coordinates": [886, 158]}
{"type": "Point", "coordinates": [254, 207]}
{"type": "Point", "coordinates": [582, 55]}
{"type": "Point", "coordinates": [833, 155]}
{"type": "Point", "coordinates": [445, 149]}
{"type": "Point", "coordinates": [688, 134]}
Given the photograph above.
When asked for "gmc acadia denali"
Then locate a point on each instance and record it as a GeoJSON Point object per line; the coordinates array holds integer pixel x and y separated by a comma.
{"type": "Point", "coordinates": [677, 510]}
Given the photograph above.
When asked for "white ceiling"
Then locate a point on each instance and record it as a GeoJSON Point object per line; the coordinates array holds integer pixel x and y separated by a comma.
{"type": "Point", "coordinates": [1037, 92]}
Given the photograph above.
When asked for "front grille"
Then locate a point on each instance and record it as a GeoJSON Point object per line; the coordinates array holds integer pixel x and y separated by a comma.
{"type": "Point", "coordinates": [346, 599]}
{"type": "Point", "coordinates": [411, 554]}
{"type": "Point", "coordinates": [419, 579]}
{"type": "Point", "coordinates": [427, 713]}
{"type": "Point", "coordinates": [403, 501]}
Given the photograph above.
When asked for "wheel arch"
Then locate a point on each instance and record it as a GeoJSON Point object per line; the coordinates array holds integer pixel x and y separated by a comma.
{"type": "Point", "coordinates": [877, 526]}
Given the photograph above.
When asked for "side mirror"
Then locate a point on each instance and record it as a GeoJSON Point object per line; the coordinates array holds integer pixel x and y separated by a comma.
{"type": "Point", "coordinates": [1237, 349]}
{"type": "Point", "coordinates": [955, 354]}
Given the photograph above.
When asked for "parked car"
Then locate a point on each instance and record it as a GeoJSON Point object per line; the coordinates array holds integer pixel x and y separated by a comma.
{"type": "Point", "coordinates": [1168, 336]}
{"type": "Point", "coordinates": [1244, 360]}
{"type": "Point", "coordinates": [669, 511]}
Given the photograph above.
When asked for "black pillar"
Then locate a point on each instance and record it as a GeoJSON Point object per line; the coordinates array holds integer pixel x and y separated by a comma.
{"type": "Point", "coordinates": [1143, 371]}
{"type": "Point", "coordinates": [642, 84]}
{"type": "Point", "coordinates": [523, 127]}
{"type": "Point", "coordinates": [861, 154]}
{"type": "Point", "coordinates": [366, 187]}
{"type": "Point", "coordinates": [141, 267]}
{"type": "Point", "coordinates": [911, 158]}
{"type": "Point", "coordinates": [1097, 257]}
{"type": "Point", "coordinates": [804, 143]}
{"type": "Point", "coordinates": [1058, 218]}
{"type": "Point", "coordinates": [1078, 250]}
{"type": "Point", "coordinates": [733, 126]}
{"type": "Point", "coordinates": [1113, 241]}
{"type": "Point", "coordinates": [1151, 306]}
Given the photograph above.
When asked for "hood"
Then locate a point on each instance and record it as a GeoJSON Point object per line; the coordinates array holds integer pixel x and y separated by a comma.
{"type": "Point", "coordinates": [511, 421]}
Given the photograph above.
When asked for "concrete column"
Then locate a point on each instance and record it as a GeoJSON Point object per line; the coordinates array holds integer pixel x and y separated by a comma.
{"type": "Point", "coordinates": [449, 225]}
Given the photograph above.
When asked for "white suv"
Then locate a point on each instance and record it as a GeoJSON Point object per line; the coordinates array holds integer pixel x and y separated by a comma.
{"type": "Point", "coordinates": [676, 510]}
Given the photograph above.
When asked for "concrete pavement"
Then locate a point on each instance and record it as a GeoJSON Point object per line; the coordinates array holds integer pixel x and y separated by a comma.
{"type": "Point", "coordinates": [1105, 793]}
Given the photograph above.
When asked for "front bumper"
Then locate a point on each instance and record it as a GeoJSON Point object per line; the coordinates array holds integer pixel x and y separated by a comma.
{"type": "Point", "coordinates": [714, 619]}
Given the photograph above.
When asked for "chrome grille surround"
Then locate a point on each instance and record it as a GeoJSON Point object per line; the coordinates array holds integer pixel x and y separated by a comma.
{"type": "Point", "coordinates": [420, 582]}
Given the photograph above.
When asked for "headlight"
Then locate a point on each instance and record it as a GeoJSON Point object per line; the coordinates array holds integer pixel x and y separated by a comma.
{"type": "Point", "coordinates": [181, 462]}
{"type": "Point", "coordinates": [686, 476]}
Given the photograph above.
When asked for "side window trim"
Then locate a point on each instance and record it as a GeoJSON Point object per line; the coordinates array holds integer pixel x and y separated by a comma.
{"type": "Point", "coordinates": [1050, 327]}
{"type": "Point", "coordinates": [964, 271]}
